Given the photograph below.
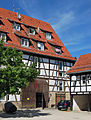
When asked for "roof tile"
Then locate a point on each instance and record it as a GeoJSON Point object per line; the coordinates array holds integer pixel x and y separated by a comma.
{"type": "Point", "coordinates": [8, 17]}
{"type": "Point", "coordinates": [83, 64]}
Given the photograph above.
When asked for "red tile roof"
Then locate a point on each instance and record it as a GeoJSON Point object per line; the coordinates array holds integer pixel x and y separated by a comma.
{"type": "Point", "coordinates": [83, 64]}
{"type": "Point", "coordinates": [7, 17]}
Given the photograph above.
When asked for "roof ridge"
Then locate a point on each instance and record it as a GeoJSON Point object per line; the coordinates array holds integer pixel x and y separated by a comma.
{"type": "Point", "coordinates": [84, 54]}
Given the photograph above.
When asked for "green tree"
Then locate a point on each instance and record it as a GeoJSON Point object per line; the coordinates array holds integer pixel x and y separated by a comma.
{"type": "Point", "coordinates": [14, 75]}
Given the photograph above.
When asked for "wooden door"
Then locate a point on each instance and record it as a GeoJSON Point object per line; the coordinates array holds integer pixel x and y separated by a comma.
{"type": "Point", "coordinates": [59, 96]}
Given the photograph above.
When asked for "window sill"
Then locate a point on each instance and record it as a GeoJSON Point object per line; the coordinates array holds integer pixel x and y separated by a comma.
{"type": "Point", "coordinates": [25, 46]}
{"type": "Point", "coordinates": [31, 34]}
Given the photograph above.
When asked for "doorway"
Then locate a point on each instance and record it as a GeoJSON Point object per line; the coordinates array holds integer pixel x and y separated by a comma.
{"type": "Point", "coordinates": [40, 101]}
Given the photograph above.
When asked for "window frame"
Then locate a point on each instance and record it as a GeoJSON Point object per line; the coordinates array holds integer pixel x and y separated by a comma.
{"type": "Point", "coordinates": [59, 48]}
{"type": "Point", "coordinates": [61, 86]}
{"type": "Point", "coordinates": [2, 36]}
{"type": "Point", "coordinates": [24, 44]}
{"type": "Point", "coordinates": [60, 63]}
{"type": "Point", "coordinates": [15, 26]}
{"type": "Point", "coordinates": [83, 79]}
{"type": "Point", "coordinates": [41, 48]}
{"type": "Point", "coordinates": [31, 32]}
{"type": "Point", "coordinates": [48, 35]}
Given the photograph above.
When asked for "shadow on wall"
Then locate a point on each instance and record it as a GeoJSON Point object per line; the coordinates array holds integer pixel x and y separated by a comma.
{"type": "Point", "coordinates": [23, 113]}
{"type": "Point", "coordinates": [80, 102]}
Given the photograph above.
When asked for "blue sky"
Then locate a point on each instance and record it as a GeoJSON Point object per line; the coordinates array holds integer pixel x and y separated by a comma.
{"type": "Point", "coordinates": [71, 20]}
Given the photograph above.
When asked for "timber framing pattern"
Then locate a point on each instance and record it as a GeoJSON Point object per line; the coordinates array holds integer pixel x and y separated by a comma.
{"type": "Point", "coordinates": [37, 40]}
{"type": "Point", "coordinates": [80, 82]}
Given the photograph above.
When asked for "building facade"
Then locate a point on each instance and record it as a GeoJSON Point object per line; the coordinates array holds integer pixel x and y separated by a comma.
{"type": "Point", "coordinates": [80, 83]}
{"type": "Point", "coordinates": [37, 40]}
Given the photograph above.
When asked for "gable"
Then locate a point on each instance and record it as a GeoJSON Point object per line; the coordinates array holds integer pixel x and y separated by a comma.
{"type": "Point", "coordinates": [25, 22]}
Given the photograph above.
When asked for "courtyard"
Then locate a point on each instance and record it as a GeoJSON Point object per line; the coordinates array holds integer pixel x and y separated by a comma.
{"type": "Point", "coordinates": [46, 114]}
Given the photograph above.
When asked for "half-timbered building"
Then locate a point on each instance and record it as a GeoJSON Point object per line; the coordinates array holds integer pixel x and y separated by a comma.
{"type": "Point", "coordinates": [80, 83]}
{"type": "Point", "coordinates": [37, 39]}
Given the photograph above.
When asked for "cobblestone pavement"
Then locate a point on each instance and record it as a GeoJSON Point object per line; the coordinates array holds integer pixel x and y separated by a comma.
{"type": "Point", "coordinates": [46, 114]}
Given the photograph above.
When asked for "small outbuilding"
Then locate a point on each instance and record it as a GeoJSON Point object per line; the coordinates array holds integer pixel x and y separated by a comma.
{"type": "Point", "coordinates": [80, 83]}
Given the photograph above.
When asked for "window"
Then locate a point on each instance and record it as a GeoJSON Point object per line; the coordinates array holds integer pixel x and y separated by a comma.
{"type": "Point", "coordinates": [65, 63]}
{"type": "Point", "coordinates": [88, 77]}
{"type": "Point", "coordinates": [60, 73]}
{"type": "Point", "coordinates": [40, 59]}
{"type": "Point", "coordinates": [74, 83]}
{"type": "Point", "coordinates": [40, 46]}
{"type": "Point", "coordinates": [60, 65]}
{"type": "Point", "coordinates": [16, 27]}
{"type": "Point", "coordinates": [35, 59]}
{"type": "Point", "coordinates": [25, 56]}
{"type": "Point", "coordinates": [57, 62]}
{"type": "Point", "coordinates": [32, 31]}
{"type": "Point", "coordinates": [31, 58]}
{"type": "Point", "coordinates": [48, 35]}
{"type": "Point", "coordinates": [60, 85]}
{"type": "Point", "coordinates": [68, 64]}
{"type": "Point", "coordinates": [71, 64]}
{"type": "Point", "coordinates": [52, 61]}
{"type": "Point", "coordinates": [58, 50]}
{"type": "Point", "coordinates": [84, 81]}
{"type": "Point", "coordinates": [83, 77]}
{"type": "Point", "coordinates": [3, 36]}
{"type": "Point", "coordinates": [78, 77]}
{"type": "Point", "coordinates": [25, 42]}
{"type": "Point", "coordinates": [45, 60]}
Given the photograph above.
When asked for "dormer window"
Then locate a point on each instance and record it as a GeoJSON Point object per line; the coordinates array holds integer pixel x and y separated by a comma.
{"type": "Point", "coordinates": [3, 36]}
{"type": "Point", "coordinates": [40, 46]}
{"type": "Point", "coordinates": [48, 35]}
{"type": "Point", "coordinates": [16, 26]}
{"type": "Point", "coordinates": [24, 42]}
{"type": "Point", "coordinates": [32, 31]}
{"type": "Point", "coordinates": [58, 50]}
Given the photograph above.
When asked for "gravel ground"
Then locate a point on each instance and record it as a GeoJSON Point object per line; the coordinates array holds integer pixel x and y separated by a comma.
{"type": "Point", "coordinates": [46, 114]}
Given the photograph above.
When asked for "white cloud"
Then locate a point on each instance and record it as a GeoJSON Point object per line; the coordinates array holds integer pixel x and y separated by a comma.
{"type": "Point", "coordinates": [73, 30]}
{"type": "Point", "coordinates": [28, 6]}
{"type": "Point", "coordinates": [68, 21]}
{"type": "Point", "coordinates": [79, 48]}
{"type": "Point", "coordinates": [64, 21]}
{"type": "Point", "coordinates": [70, 43]}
